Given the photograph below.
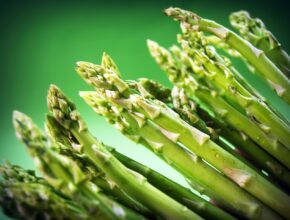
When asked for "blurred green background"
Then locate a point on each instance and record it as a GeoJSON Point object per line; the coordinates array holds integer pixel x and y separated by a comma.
{"type": "Point", "coordinates": [40, 42]}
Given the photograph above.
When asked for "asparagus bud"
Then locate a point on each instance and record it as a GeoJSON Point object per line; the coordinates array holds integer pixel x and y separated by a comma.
{"type": "Point", "coordinates": [255, 31]}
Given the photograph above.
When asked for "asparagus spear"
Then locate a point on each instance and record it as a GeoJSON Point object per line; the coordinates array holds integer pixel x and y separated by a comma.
{"type": "Point", "coordinates": [181, 76]}
{"type": "Point", "coordinates": [144, 124]}
{"type": "Point", "coordinates": [178, 101]}
{"type": "Point", "coordinates": [213, 40]}
{"type": "Point", "coordinates": [219, 43]}
{"type": "Point", "coordinates": [65, 175]}
{"type": "Point", "coordinates": [25, 196]}
{"type": "Point", "coordinates": [133, 183]}
{"type": "Point", "coordinates": [256, 57]}
{"type": "Point", "coordinates": [224, 79]}
{"type": "Point", "coordinates": [186, 108]}
{"type": "Point", "coordinates": [255, 31]}
{"type": "Point", "coordinates": [193, 114]}
{"type": "Point", "coordinates": [174, 190]}
{"type": "Point", "coordinates": [69, 147]}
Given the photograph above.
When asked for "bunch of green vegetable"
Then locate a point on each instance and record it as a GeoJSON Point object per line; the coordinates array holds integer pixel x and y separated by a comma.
{"type": "Point", "coordinates": [213, 127]}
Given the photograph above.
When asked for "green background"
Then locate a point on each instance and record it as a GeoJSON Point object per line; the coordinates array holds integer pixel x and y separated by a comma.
{"type": "Point", "coordinates": [41, 41]}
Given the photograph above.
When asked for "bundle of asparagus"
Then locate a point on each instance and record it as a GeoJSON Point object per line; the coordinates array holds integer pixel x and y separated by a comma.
{"type": "Point", "coordinates": [213, 127]}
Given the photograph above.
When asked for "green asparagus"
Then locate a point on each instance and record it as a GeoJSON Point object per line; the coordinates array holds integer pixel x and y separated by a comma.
{"type": "Point", "coordinates": [116, 92]}
{"type": "Point", "coordinates": [131, 182]}
{"type": "Point", "coordinates": [65, 175]}
{"type": "Point", "coordinates": [69, 147]}
{"type": "Point", "coordinates": [256, 57]}
{"type": "Point", "coordinates": [255, 31]}
{"type": "Point", "coordinates": [25, 196]}
{"type": "Point", "coordinates": [193, 114]}
{"type": "Point", "coordinates": [214, 128]}
{"type": "Point", "coordinates": [181, 76]}
{"type": "Point", "coordinates": [195, 140]}
{"type": "Point", "coordinates": [199, 175]}
{"type": "Point", "coordinates": [224, 79]}
{"type": "Point", "coordinates": [181, 194]}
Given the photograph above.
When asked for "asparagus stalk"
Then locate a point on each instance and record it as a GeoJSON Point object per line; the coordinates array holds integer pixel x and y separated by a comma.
{"type": "Point", "coordinates": [65, 175]}
{"type": "Point", "coordinates": [186, 108]}
{"type": "Point", "coordinates": [232, 89]}
{"type": "Point", "coordinates": [178, 101]}
{"type": "Point", "coordinates": [219, 43]}
{"type": "Point", "coordinates": [115, 90]}
{"type": "Point", "coordinates": [256, 57]}
{"type": "Point", "coordinates": [193, 114]}
{"type": "Point", "coordinates": [180, 75]}
{"type": "Point", "coordinates": [174, 190]}
{"type": "Point", "coordinates": [69, 147]}
{"type": "Point", "coordinates": [133, 183]}
{"type": "Point", "coordinates": [213, 40]}
{"type": "Point", "coordinates": [255, 31]}
{"type": "Point", "coordinates": [25, 196]}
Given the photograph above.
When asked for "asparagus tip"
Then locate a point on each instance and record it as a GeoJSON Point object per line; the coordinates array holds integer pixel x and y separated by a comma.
{"type": "Point", "coordinates": [62, 109]}
{"type": "Point", "coordinates": [154, 47]}
{"type": "Point", "coordinates": [91, 73]}
{"type": "Point", "coordinates": [171, 11]}
{"type": "Point", "coordinates": [17, 115]}
{"type": "Point", "coordinates": [26, 131]}
{"type": "Point", "coordinates": [151, 43]}
{"type": "Point", "coordinates": [82, 63]}
{"type": "Point", "coordinates": [180, 14]}
{"type": "Point", "coordinates": [20, 122]}
{"type": "Point", "coordinates": [108, 63]}
{"type": "Point", "coordinates": [241, 20]}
